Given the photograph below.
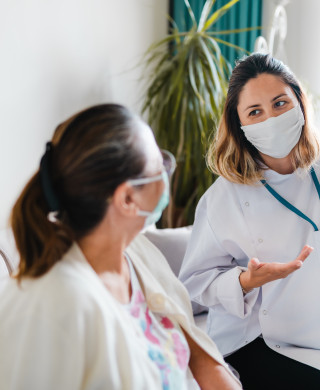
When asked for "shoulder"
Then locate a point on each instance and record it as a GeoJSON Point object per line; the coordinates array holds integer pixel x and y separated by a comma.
{"type": "Point", "coordinates": [156, 275]}
{"type": "Point", "coordinates": [316, 167]}
{"type": "Point", "coordinates": [222, 197]}
{"type": "Point", "coordinates": [81, 292]}
{"type": "Point", "coordinates": [221, 189]}
{"type": "Point", "coordinates": [145, 252]}
{"type": "Point", "coordinates": [70, 290]}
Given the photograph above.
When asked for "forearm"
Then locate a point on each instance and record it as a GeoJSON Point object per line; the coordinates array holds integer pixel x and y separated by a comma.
{"type": "Point", "coordinates": [209, 374]}
{"type": "Point", "coordinates": [213, 377]}
{"type": "Point", "coordinates": [244, 281]}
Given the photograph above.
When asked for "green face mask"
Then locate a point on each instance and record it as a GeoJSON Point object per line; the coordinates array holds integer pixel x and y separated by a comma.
{"type": "Point", "coordinates": [155, 215]}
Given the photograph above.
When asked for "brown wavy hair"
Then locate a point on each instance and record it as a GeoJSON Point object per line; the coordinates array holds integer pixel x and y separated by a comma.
{"type": "Point", "coordinates": [230, 154]}
{"type": "Point", "coordinates": [92, 153]}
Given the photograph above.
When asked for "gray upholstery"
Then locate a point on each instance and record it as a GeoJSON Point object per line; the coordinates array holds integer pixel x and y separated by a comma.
{"type": "Point", "coordinates": [173, 244]}
{"type": "Point", "coordinates": [8, 253]}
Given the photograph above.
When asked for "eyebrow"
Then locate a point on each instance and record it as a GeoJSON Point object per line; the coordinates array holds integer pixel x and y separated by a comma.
{"type": "Point", "coordinates": [272, 100]}
{"type": "Point", "coordinates": [279, 96]}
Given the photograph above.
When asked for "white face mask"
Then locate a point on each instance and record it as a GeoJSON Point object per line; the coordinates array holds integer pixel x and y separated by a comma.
{"type": "Point", "coordinates": [276, 136]}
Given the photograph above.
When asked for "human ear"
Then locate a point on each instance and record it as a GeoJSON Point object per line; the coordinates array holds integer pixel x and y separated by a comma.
{"type": "Point", "coordinates": [123, 200]}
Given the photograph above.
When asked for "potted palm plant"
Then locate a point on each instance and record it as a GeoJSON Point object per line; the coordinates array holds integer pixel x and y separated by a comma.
{"type": "Point", "coordinates": [184, 100]}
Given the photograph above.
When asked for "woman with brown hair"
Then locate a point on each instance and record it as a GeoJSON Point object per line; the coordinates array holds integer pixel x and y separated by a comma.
{"type": "Point", "coordinates": [260, 214]}
{"type": "Point", "coordinates": [86, 310]}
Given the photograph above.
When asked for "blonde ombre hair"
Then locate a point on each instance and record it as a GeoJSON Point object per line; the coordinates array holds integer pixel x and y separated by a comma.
{"type": "Point", "coordinates": [230, 154]}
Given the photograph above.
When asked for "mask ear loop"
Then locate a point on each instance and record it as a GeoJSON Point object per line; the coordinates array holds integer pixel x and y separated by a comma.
{"type": "Point", "coordinates": [47, 187]}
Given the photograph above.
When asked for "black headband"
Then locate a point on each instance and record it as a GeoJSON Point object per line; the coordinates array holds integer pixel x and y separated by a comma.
{"type": "Point", "coordinates": [46, 183]}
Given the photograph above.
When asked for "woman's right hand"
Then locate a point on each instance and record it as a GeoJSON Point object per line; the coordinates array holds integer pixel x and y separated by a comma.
{"type": "Point", "coordinates": [259, 273]}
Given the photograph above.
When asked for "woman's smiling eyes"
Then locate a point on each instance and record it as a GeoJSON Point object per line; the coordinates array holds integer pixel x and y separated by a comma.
{"type": "Point", "coordinates": [254, 112]}
{"type": "Point", "coordinates": [278, 104]}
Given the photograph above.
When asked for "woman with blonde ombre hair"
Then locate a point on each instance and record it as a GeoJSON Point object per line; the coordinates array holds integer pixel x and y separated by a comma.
{"type": "Point", "coordinates": [233, 156]}
{"type": "Point", "coordinates": [263, 212]}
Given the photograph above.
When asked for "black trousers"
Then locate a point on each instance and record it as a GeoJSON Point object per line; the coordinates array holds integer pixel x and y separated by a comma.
{"type": "Point", "coordinates": [261, 368]}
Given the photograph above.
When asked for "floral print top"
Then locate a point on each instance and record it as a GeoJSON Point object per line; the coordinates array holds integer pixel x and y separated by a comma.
{"type": "Point", "coordinates": [166, 344]}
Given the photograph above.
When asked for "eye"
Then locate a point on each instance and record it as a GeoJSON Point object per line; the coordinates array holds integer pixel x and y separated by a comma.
{"type": "Point", "coordinates": [280, 103]}
{"type": "Point", "coordinates": [254, 112]}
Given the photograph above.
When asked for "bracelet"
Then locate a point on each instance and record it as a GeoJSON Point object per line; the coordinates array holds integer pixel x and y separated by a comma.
{"type": "Point", "coordinates": [245, 291]}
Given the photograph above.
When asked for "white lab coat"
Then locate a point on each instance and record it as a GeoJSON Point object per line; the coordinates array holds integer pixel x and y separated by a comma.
{"type": "Point", "coordinates": [66, 331]}
{"type": "Point", "coordinates": [236, 222]}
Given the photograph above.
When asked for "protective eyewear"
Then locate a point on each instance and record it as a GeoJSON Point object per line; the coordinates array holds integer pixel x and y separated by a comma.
{"type": "Point", "coordinates": [169, 166]}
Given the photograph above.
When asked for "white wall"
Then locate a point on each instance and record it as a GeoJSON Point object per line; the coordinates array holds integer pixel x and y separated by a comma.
{"type": "Point", "coordinates": [57, 57]}
{"type": "Point", "coordinates": [302, 41]}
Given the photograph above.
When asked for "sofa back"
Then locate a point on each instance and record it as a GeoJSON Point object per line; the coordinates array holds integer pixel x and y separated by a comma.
{"type": "Point", "coordinates": [9, 256]}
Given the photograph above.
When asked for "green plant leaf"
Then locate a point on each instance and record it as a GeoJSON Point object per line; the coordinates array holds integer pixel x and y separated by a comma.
{"type": "Point", "coordinates": [205, 13]}
{"type": "Point", "coordinates": [167, 39]}
{"type": "Point", "coordinates": [234, 31]}
{"type": "Point", "coordinates": [216, 15]}
{"type": "Point", "coordinates": [181, 128]}
{"type": "Point", "coordinates": [191, 14]}
{"type": "Point", "coordinates": [192, 76]}
{"type": "Point", "coordinates": [232, 45]}
{"type": "Point", "coordinates": [211, 64]}
{"type": "Point", "coordinates": [186, 81]}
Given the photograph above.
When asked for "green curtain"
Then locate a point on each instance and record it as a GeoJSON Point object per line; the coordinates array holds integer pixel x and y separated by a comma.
{"type": "Point", "coordinates": [245, 13]}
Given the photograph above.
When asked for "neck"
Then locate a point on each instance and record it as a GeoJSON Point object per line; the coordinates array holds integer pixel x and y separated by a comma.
{"type": "Point", "coordinates": [106, 257]}
{"type": "Point", "coordinates": [104, 250]}
{"type": "Point", "coordinates": [104, 247]}
{"type": "Point", "coordinates": [283, 166]}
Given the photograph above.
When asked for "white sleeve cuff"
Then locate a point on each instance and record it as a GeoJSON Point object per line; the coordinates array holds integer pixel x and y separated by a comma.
{"type": "Point", "coordinates": [230, 293]}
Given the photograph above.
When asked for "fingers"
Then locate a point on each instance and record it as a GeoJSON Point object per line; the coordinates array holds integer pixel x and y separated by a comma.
{"type": "Point", "coordinates": [275, 271]}
{"type": "Point", "coordinates": [291, 266]}
{"type": "Point", "coordinates": [306, 250]}
{"type": "Point", "coordinates": [297, 263]}
{"type": "Point", "coordinates": [288, 268]}
{"type": "Point", "coordinates": [253, 264]}
{"type": "Point", "coordinates": [261, 272]}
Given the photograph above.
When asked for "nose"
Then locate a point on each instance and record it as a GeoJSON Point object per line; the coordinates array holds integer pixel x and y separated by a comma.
{"type": "Point", "coordinates": [271, 113]}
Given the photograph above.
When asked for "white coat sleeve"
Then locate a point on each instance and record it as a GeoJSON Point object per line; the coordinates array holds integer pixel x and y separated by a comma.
{"type": "Point", "coordinates": [210, 273]}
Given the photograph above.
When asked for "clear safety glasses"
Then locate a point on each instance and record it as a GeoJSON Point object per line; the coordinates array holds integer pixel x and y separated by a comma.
{"type": "Point", "coordinates": [169, 166]}
{"type": "Point", "coordinates": [168, 161]}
